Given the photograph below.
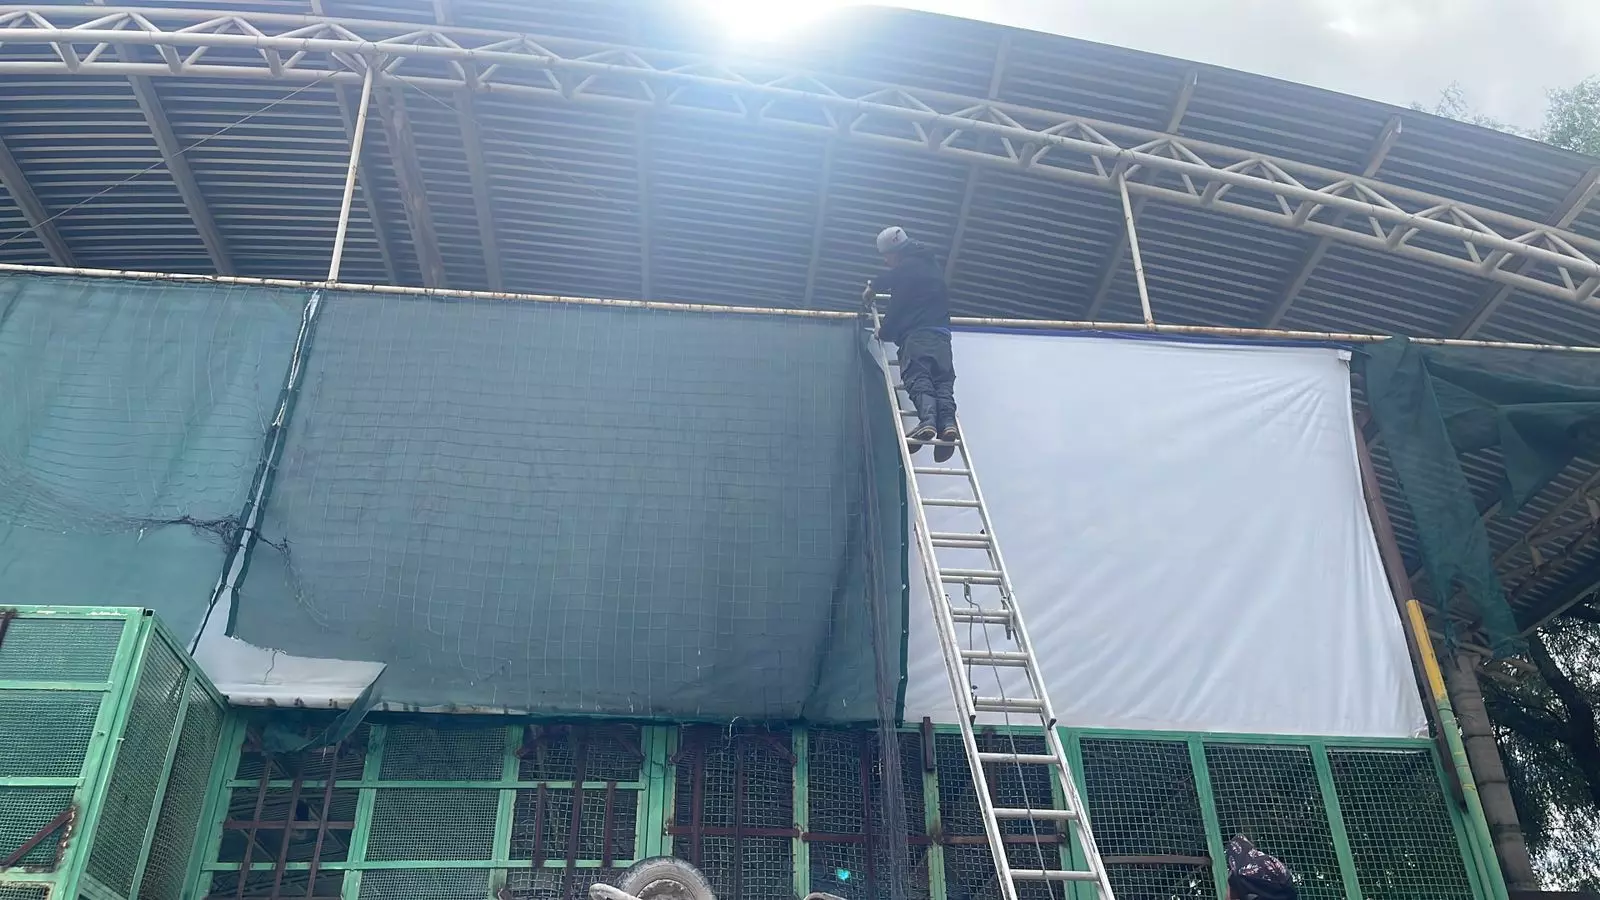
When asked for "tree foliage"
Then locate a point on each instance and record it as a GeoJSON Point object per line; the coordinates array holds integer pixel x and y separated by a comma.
{"type": "Point", "coordinates": [1572, 120]}
{"type": "Point", "coordinates": [1544, 707]}
{"type": "Point", "coordinates": [1544, 704]}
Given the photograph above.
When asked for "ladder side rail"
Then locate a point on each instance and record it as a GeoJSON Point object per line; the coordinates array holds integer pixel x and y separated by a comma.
{"type": "Point", "coordinates": [949, 648]}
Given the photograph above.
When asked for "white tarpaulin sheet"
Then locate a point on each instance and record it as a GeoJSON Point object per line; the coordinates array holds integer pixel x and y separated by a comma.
{"type": "Point", "coordinates": [1185, 530]}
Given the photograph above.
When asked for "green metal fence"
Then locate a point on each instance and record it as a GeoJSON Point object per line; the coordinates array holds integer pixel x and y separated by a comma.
{"type": "Point", "coordinates": [108, 735]}
{"type": "Point", "coordinates": [442, 807]}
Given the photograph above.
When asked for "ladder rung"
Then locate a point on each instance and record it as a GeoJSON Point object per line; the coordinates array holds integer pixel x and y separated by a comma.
{"type": "Point", "coordinates": [961, 544]}
{"type": "Point", "coordinates": [982, 616]}
{"type": "Point", "coordinates": [1026, 759]}
{"type": "Point", "coordinates": [1043, 815]}
{"type": "Point", "coordinates": [994, 658]}
{"type": "Point", "coordinates": [1053, 875]}
{"type": "Point", "coordinates": [963, 574]}
{"type": "Point", "coordinates": [939, 470]}
{"type": "Point", "coordinates": [958, 536]}
{"type": "Point", "coordinates": [939, 501]}
{"type": "Point", "coordinates": [1012, 704]}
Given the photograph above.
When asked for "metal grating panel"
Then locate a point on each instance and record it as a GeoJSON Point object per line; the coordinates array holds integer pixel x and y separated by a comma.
{"type": "Point", "coordinates": [60, 649]}
{"type": "Point", "coordinates": [186, 795]}
{"type": "Point", "coordinates": [743, 842]}
{"type": "Point", "coordinates": [131, 794]}
{"type": "Point", "coordinates": [550, 753]}
{"type": "Point", "coordinates": [24, 892]}
{"type": "Point", "coordinates": [1271, 795]}
{"type": "Point", "coordinates": [1399, 828]}
{"type": "Point", "coordinates": [45, 733]}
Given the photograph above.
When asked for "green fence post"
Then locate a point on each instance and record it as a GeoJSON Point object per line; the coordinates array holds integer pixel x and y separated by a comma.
{"type": "Point", "coordinates": [1208, 815]}
{"type": "Point", "coordinates": [505, 809]}
{"type": "Point", "coordinates": [931, 818]}
{"type": "Point", "coordinates": [1330, 804]}
{"type": "Point", "coordinates": [800, 746]}
{"type": "Point", "coordinates": [365, 799]}
{"type": "Point", "coordinates": [113, 720]}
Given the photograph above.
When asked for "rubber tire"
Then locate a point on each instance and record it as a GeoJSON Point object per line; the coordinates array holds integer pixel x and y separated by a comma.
{"type": "Point", "coordinates": [665, 878]}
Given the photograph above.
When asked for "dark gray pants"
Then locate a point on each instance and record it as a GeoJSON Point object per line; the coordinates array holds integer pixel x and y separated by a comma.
{"type": "Point", "coordinates": [929, 376]}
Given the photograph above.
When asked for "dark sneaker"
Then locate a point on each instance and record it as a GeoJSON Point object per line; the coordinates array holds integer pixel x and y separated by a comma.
{"type": "Point", "coordinates": [919, 436]}
{"type": "Point", "coordinates": [947, 448]}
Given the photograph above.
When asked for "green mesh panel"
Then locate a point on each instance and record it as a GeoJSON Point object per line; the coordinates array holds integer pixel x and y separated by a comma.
{"type": "Point", "coordinates": [24, 892]}
{"type": "Point", "coordinates": [425, 884]}
{"type": "Point", "coordinates": [60, 649]}
{"type": "Point", "coordinates": [275, 813]}
{"type": "Point", "coordinates": [1400, 831]}
{"type": "Point", "coordinates": [1143, 802]}
{"type": "Point", "coordinates": [417, 753]}
{"type": "Point", "coordinates": [130, 799]}
{"type": "Point", "coordinates": [185, 796]}
{"type": "Point", "coordinates": [45, 733]}
{"type": "Point", "coordinates": [429, 823]}
{"type": "Point", "coordinates": [23, 811]}
{"type": "Point", "coordinates": [1271, 795]}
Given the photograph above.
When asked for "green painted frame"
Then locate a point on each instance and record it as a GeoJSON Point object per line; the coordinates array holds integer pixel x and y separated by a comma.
{"type": "Point", "coordinates": [140, 631]}
{"type": "Point", "coordinates": [655, 787]}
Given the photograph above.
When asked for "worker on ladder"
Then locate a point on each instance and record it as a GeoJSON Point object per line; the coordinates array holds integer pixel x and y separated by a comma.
{"type": "Point", "coordinates": [918, 322]}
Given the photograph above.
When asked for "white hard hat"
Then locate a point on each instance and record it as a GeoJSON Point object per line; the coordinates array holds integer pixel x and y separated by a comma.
{"type": "Point", "coordinates": [892, 238]}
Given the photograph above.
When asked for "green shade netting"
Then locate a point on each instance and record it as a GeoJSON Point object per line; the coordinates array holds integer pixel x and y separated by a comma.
{"type": "Point", "coordinates": [131, 427]}
{"type": "Point", "coordinates": [1536, 410]}
{"type": "Point", "coordinates": [575, 509]}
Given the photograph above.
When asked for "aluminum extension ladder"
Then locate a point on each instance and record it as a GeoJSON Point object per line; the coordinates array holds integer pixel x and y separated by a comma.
{"type": "Point", "coordinates": [990, 612]}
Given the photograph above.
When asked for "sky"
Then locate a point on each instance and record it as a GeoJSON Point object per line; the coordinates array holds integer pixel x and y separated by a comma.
{"type": "Point", "coordinates": [1505, 54]}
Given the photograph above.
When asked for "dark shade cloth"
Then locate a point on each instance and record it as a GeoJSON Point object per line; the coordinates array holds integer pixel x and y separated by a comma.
{"type": "Point", "coordinates": [586, 510]}
{"type": "Point", "coordinates": [1532, 411]}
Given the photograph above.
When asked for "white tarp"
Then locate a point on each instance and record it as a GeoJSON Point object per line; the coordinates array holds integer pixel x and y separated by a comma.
{"type": "Point", "coordinates": [1185, 529]}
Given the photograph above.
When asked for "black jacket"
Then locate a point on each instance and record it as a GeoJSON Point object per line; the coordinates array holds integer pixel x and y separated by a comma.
{"type": "Point", "coordinates": [917, 295]}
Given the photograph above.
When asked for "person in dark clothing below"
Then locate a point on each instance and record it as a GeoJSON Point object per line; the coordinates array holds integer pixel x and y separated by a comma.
{"type": "Point", "coordinates": [1253, 875]}
{"type": "Point", "coordinates": [918, 322]}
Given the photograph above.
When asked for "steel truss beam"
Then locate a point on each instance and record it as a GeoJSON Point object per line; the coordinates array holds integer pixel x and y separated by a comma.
{"type": "Point", "coordinates": [1407, 223]}
{"type": "Point", "coordinates": [15, 181]}
{"type": "Point", "coordinates": [1313, 258]}
{"type": "Point", "coordinates": [472, 148]}
{"type": "Point", "coordinates": [1571, 207]}
{"type": "Point", "coordinates": [997, 77]}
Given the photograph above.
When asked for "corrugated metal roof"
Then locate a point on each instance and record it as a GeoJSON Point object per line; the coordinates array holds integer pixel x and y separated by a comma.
{"type": "Point", "coordinates": [587, 199]}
